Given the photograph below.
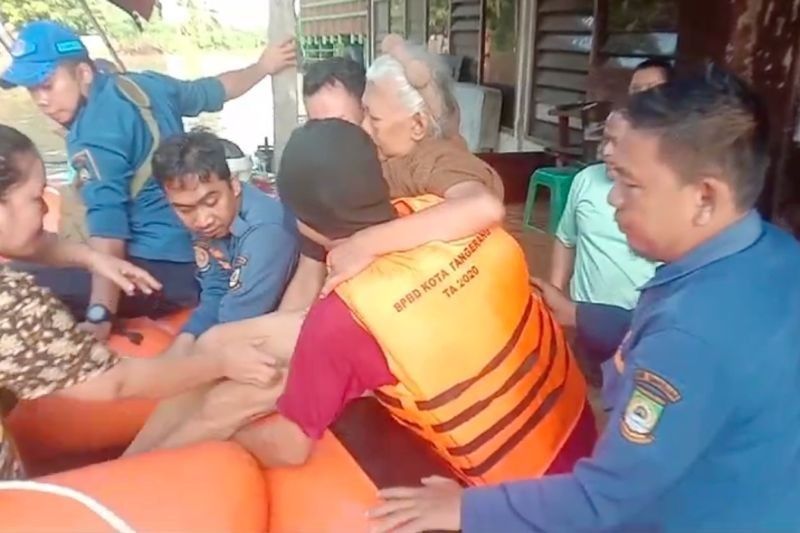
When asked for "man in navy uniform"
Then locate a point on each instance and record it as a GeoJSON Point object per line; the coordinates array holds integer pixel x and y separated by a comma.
{"type": "Point", "coordinates": [114, 124]}
{"type": "Point", "coordinates": [705, 435]}
{"type": "Point", "coordinates": [246, 243]}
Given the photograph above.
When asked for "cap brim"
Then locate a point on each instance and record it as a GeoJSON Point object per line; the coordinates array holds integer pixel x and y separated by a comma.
{"type": "Point", "coordinates": [27, 73]}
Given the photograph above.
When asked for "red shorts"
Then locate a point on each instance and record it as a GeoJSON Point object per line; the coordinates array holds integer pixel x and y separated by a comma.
{"type": "Point", "coordinates": [579, 444]}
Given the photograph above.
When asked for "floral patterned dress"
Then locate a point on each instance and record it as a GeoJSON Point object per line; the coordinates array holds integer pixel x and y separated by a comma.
{"type": "Point", "coordinates": [41, 351]}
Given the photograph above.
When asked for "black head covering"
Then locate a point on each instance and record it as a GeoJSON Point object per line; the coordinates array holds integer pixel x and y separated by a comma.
{"type": "Point", "coordinates": [330, 176]}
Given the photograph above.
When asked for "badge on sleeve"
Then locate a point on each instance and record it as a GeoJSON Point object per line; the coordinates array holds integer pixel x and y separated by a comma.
{"type": "Point", "coordinates": [202, 258]}
{"type": "Point", "coordinates": [651, 395]}
{"type": "Point", "coordinates": [235, 281]}
{"type": "Point", "coordinates": [85, 168]}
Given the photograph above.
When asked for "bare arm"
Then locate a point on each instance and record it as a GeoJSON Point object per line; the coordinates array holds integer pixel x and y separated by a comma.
{"type": "Point", "coordinates": [183, 345]}
{"type": "Point", "coordinates": [104, 291]}
{"type": "Point", "coordinates": [305, 285]}
{"type": "Point", "coordinates": [468, 208]}
{"type": "Point", "coordinates": [166, 376]}
{"type": "Point", "coordinates": [151, 378]}
{"type": "Point", "coordinates": [276, 442]}
{"type": "Point", "coordinates": [52, 251]}
{"type": "Point", "coordinates": [272, 60]}
{"type": "Point", "coordinates": [562, 265]}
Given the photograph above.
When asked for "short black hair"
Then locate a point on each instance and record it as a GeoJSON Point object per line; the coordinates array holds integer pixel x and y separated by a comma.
{"type": "Point", "coordinates": [329, 71]}
{"type": "Point", "coordinates": [197, 155]}
{"type": "Point", "coordinates": [709, 121]}
{"type": "Point", "coordinates": [331, 178]}
{"type": "Point", "coordinates": [662, 64]}
{"type": "Point", "coordinates": [12, 144]}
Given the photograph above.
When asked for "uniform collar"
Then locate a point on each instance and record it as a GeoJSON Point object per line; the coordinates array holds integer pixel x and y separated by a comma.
{"type": "Point", "coordinates": [240, 224]}
{"type": "Point", "coordinates": [731, 240]}
{"type": "Point", "coordinates": [97, 85]}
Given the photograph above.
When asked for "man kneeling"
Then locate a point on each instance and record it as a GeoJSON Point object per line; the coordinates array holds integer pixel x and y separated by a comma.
{"type": "Point", "coordinates": [447, 336]}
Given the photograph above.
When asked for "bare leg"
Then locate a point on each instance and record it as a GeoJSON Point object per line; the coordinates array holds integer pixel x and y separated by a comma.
{"type": "Point", "coordinates": [226, 408]}
{"type": "Point", "coordinates": [203, 413]}
{"type": "Point", "coordinates": [275, 333]}
{"type": "Point", "coordinates": [168, 415]}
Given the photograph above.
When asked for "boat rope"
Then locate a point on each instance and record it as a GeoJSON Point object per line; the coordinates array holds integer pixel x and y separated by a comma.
{"type": "Point", "coordinates": [108, 516]}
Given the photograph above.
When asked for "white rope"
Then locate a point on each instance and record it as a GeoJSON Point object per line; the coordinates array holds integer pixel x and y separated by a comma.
{"type": "Point", "coordinates": [117, 523]}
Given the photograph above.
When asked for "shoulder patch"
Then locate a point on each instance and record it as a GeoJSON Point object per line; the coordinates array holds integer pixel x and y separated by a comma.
{"type": "Point", "coordinates": [651, 395]}
{"type": "Point", "coordinates": [235, 280]}
{"type": "Point", "coordinates": [202, 258]}
{"type": "Point", "coordinates": [85, 168]}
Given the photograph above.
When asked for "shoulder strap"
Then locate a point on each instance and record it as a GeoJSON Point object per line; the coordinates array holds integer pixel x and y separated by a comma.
{"type": "Point", "coordinates": [131, 90]}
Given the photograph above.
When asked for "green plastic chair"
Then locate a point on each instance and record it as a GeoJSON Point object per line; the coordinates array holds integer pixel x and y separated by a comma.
{"type": "Point", "coordinates": [558, 180]}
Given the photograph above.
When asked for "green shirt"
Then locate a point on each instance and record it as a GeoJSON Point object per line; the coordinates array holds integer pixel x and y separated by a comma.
{"type": "Point", "coordinates": [606, 270]}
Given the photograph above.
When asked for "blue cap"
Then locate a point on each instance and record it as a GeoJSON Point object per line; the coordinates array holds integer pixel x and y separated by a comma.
{"type": "Point", "coordinates": [40, 47]}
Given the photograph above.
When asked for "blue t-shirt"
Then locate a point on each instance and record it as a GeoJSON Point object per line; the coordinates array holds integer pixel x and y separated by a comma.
{"type": "Point", "coordinates": [109, 140]}
{"type": "Point", "coordinates": [244, 274]}
{"type": "Point", "coordinates": [705, 435]}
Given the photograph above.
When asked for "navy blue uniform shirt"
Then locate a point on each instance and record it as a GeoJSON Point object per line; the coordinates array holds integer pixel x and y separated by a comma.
{"type": "Point", "coordinates": [109, 140]}
{"type": "Point", "coordinates": [244, 274]}
{"type": "Point", "coordinates": [705, 435]}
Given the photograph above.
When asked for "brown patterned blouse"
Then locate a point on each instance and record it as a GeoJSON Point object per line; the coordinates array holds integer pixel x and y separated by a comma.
{"type": "Point", "coordinates": [41, 351]}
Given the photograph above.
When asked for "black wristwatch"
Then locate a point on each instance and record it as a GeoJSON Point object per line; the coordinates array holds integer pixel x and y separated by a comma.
{"type": "Point", "coordinates": [98, 314]}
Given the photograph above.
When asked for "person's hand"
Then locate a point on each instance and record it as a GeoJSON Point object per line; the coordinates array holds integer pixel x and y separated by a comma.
{"type": "Point", "coordinates": [101, 331]}
{"type": "Point", "coordinates": [127, 276]}
{"type": "Point", "coordinates": [247, 362]}
{"type": "Point", "coordinates": [562, 307]}
{"type": "Point", "coordinates": [434, 506]}
{"type": "Point", "coordinates": [346, 259]}
{"type": "Point", "coordinates": [275, 58]}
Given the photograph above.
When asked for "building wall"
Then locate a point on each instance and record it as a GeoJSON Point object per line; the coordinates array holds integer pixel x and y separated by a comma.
{"type": "Point", "coordinates": [759, 40]}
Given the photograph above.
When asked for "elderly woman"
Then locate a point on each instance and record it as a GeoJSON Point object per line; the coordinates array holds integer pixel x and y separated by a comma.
{"type": "Point", "coordinates": [412, 116]}
{"type": "Point", "coordinates": [42, 351]}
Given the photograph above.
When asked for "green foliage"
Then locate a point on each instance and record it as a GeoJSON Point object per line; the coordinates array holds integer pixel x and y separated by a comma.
{"type": "Point", "coordinates": [201, 30]}
{"type": "Point", "coordinates": [438, 16]}
{"type": "Point", "coordinates": [642, 15]}
{"type": "Point", "coordinates": [501, 21]}
{"type": "Point", "coordinates": [70, 12]}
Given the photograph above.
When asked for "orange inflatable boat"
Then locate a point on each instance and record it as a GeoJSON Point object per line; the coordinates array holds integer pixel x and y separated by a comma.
{"type": "Point", "coordinates": [214, 487]}
{"type": "Point", "coordinates": [54, 433]}
{"type": "Point", "coordinates": [211, 487]}
{"type": "Point", "coordinates": [217, 487]}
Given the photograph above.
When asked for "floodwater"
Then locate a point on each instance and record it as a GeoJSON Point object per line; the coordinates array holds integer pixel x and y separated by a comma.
{"type": "Point", "coordinates": [245, 121]}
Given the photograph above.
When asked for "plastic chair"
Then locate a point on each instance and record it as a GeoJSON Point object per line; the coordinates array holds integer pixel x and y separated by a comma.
{"type": "Point", "coordinates": [558, 180]}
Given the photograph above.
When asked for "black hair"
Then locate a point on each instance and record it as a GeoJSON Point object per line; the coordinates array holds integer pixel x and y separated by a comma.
{"type": "Point", "coordinates": [232, 150]}
{"type": "Point", "coordinates": [662, 64]}
{"type": "Point", "coordinates": [331, 178]}
{"type": "Point", "coordinates": [329, 71]}
{"type": "Point", "coordinates": [197, 155]}
{"type": "Point", "coordinates": [12, 144]}
{"type": "Point", "coordinates": [713, 121]}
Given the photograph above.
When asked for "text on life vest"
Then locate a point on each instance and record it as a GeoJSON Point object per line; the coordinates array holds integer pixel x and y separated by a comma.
{"type": "Point", "coordinates": [457, 267]}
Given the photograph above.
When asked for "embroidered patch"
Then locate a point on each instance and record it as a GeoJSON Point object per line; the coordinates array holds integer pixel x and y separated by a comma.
{"type": "Point", "coordinates": [22, 48]}
{"type": "Point", "coordinates": [651, 395]}
{"type": "Point", "coordinates": [235, 281]}
{"type": "Point", "coordinates": [202, 258]}
{"type": "Point", "coordinates": [85, 168]}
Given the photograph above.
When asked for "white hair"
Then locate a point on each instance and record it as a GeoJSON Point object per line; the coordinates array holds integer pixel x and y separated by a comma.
{"type": "Point", "coordinates": [387, 67]}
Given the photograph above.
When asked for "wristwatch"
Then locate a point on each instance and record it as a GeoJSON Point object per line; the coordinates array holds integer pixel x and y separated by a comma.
{"type": "Point", "coordinates": [98, 314]}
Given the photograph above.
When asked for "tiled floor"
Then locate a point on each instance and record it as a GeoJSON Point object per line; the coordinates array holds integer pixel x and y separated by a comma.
{"type": "Point", "coordinates": [537, 244]}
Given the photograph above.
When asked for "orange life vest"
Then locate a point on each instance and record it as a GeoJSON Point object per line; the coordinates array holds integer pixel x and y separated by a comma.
{"type": "Point", "coordinates": [484, 373]}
